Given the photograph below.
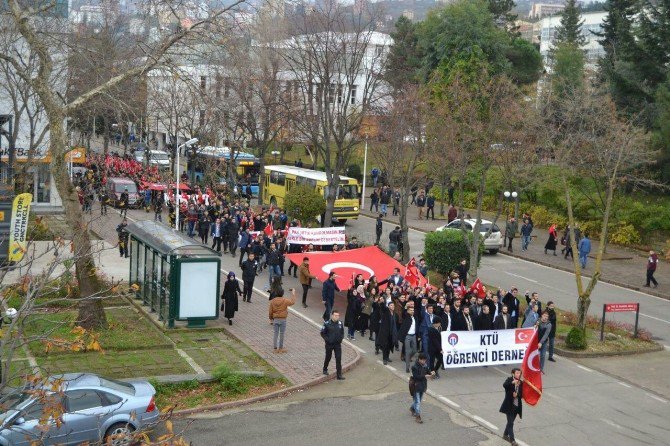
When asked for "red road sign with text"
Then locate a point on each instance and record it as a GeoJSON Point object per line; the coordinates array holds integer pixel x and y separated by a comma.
{"type": "Point", "coordinates": [614, 308]}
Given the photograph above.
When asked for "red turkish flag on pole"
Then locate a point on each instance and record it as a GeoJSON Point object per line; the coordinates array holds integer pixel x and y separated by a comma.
{"type": "Point", "coordinates": [412, 273]}
{"type": "Point", "coordinates": [268, 229]}
{"type": "Point", "coordinates": [477, 288]}
{"type": "Point", "coordinates": [532, 375]}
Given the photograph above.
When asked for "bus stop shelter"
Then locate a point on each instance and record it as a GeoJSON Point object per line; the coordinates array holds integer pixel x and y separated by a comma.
{"type": "Point", "coordinates": [173, 275]}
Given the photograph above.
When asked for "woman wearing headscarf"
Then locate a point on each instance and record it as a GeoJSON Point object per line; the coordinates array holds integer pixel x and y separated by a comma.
{"type": "Point", "coordinates": [229, 298]}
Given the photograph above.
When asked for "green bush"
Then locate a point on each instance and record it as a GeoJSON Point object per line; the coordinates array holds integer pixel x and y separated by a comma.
{"type": "Point", "coordinates": [624, 234]}
{"type": "Point", "coordinates": [444, 250]}
{"type": "Point", "coordinates": [576, 339]}
{"type": "Point", "coordinates": [355, 171]}
{"type": "Point", "coordinates": [305, 204]}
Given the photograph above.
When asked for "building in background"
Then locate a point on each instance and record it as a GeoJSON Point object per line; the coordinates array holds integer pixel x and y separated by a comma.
{"type": "Point", "coordinates": [592, 24]}
{"type": "Point", "coordinates": [539, 10]}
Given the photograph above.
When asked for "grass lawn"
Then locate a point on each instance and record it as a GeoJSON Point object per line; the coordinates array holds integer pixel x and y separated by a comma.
{"type": "Point", "coordinates": [192, 394]}
{"type": "Point", "coordinates": [127, 364]}
{"type": "Point", "coordinates": [128, 330]}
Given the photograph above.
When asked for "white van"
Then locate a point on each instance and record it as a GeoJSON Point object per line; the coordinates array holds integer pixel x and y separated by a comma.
{"type": "Point", "coordinates": [156, 158]}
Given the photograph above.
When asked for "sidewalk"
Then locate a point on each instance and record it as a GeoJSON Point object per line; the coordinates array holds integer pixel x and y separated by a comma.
{"type": "Point", "coordinates": [303, 362]}
{"type": "Point", "coordinates": [622, 266]}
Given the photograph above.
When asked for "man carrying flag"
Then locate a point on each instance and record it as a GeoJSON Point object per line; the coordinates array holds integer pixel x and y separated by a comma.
{"type": "Point", "coordinates": [525, 383]}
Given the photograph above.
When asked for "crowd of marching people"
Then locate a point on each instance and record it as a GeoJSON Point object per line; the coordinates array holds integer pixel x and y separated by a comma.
{"type": "Point", "coordinates": [406, 318]}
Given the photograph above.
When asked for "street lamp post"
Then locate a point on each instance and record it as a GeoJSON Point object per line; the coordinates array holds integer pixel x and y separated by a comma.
{"type": "Point", "coordinates": [509, 197]}
{"type": "Point", "coordinates": [188, 143]}
{"type": "Point", "coordinates": [365, 172]}
{"type": "Point", "coordinates": [275, 153]}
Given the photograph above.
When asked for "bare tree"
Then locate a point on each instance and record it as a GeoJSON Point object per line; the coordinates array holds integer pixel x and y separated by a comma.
{"type": "Point", "coordinates": [402, 155]}
{"type": "Point", "coordinates": [257, 92]}
{"type": "Point", "coordinates": [43, 38]}
{"type": "Point", "coordinates": [474, 119]}
{"type": "Point", "coordinates": [335, 61]}
{"type": "Point", "coordinates": [593, 141]}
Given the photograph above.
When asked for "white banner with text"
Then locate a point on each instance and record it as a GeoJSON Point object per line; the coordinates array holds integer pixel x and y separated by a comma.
{"type": "Point", "coordinates": [489, 347]}
{"type": "Point", "coordinates": [316, 236]}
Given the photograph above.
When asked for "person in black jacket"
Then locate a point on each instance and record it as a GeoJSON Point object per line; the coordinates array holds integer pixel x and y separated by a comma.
{"type": "Point", "coordinates": [249, 267]}
{"type": "Point", "coordinates": [378, 228]}
{"type": "Point", "coordinates": [229, 297]}
{"type": "Point", "coordinates": [435, 348]}
{"type": "Point", "coordinates": [353, 311]}
{"type": "Point", "coordinates": [484, 321]}
{"type": "Point", "coordinates": [408, 334]}
{"type": "Point", "coordinates": [552, 332]}
{"type": "Point", "coordinates": [332, 333]}
{"type": "Point", "coordinates": [233, 234]}
{"type": "Point", "coordinates": [462, 270]}
{"type": "Point", "coordinates": [503, 321]}
{"type": "Point", "coordinates": [387, 337]}
{"type": "Point", "coordinates": [512, 303]}
{"type": "Point", "coordinates": [420, 371]}
{"type": "Point", "coordinates": [511, 405]}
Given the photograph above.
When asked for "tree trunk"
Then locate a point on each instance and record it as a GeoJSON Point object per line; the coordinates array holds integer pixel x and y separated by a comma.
{"type": "Point", "coordinates": [91, 312]}
{"type": "Point", "coordinates": [476, 235]}
{"type": "Point", "coordinates": [442, 191]}
{"type": "Point", "coordinates": [105, 138]}
{"type": "Point", "coordinates": [330, 201]}
{"type": "Point", "coordinates": [404, 205]}
{"type": "Point", "coordinates": [582, 310]}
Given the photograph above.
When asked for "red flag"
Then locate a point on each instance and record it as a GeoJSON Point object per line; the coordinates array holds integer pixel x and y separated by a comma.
{"type": "Point", "coordinates": [532, 375]}
{"type": "Point", "coordinates": [412, 273]}
{"type": "Point", "coordinates": [268, 229]}
{"type": "Point", "coordinates": [477, 288]}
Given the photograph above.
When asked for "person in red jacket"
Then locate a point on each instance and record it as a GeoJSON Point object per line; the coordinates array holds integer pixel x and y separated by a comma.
{"type": "Point", "coordinates": [652, 261]}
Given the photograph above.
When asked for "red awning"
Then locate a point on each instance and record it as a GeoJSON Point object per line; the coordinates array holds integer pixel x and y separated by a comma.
{"type": "Point", "coordinates": [182, 186]}
{"type": "Point", "coordinates": [153, 186]}
{"type": "Point", "coordinates": [367, 261]}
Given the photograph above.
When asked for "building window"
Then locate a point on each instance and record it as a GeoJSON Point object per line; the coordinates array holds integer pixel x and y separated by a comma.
{"type": "Point", "coordinates": [203, 83]}
{"type": "Point", "coordinates": [226, 89]}
{"type": "Point", "coordinates": [352, 94]}
{"type": "Point", "coordinates": [202, 118]}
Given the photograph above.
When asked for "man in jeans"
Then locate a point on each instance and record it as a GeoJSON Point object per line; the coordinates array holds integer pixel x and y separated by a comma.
{"type": "Point", "coordinates": [420, 371]}
{"type": "Point", "coordinates": [273, 260]}
{"type": "Point", "coordinates": [526, 230]}
{"type": "Point", "coordinates": [305, 279]}
{"type": "Point", "coordinates": [278, 313]}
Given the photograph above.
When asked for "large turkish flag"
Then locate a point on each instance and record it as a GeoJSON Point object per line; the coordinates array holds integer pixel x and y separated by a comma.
{"type": "Point", "coordinates": [368, 261]}
{"type": "Point", "coordinates": [532, 375]}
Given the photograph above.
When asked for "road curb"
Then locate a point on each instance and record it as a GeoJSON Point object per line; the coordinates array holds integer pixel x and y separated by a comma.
{"type": "Point", "coordinates": [268, 396]}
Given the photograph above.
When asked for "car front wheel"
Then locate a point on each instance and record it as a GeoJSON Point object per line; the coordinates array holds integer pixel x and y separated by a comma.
{"type": "Point", "coordinates": [119, 434]}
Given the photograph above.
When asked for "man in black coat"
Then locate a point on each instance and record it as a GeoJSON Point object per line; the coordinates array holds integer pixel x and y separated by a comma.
{"type": "Point", "coordinates": [408, 334]}
{"type": "Point", "coordinates": [511, 405]}
{"type": "Point", "coordinates": [249, 267]}
{"type": "Point", "coordinates": [462, 270]}
{"type": "Point", "coordinates": [332, 333]}
{"type": "Point", "coordinates": [484, 321]}
{"type": "Point", "coordinates": [503, 321]}
{"type": "Point", "coordinates": [512, 303]}
{"type": "Point", "coordinates": [388, 332]}
{"type": "Point", "coordinates": [233, 234]}
{"type": "Point", "coordinates": [552, 332]}
{"type": "Point", "coordinates": [435, 348]}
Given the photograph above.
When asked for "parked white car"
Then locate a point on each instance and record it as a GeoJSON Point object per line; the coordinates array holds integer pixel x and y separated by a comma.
{"type": "Point", "coordinates": [156, 158]}
{"type": "Point", "coordinates": [492, 243]}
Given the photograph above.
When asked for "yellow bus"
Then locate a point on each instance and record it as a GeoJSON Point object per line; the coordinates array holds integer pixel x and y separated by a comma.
{"type": "Point", "coordinates": [280, 179]}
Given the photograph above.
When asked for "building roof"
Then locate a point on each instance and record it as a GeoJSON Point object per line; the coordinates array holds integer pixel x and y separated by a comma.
{"type": "Point", "coordinates": [166, 240]}
{"type": "Point", "coordinates": [301, 171]}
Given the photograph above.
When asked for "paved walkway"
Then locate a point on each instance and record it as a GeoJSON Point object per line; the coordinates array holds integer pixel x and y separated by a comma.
{"type": "Point", "coordinates": [626, 268]}
{"type": "Point", "coordinates": [303, 361]}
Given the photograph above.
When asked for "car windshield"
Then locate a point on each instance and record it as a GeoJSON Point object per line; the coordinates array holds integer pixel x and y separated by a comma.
{"type": "Point", "coordinates": [120, 187]}
{"type": "Point", "coordinates": [344, 192]}
{"type": "Point", "coordinates": [12, 404]}
{"type": "Point", "coordinates": [486, 226]}
{"type": "Point", "coordinates": [119, 386]}
{"type": "Point", "coordinates": [159, 156]}
{"type": "Point", "coordinates": [456, 224]}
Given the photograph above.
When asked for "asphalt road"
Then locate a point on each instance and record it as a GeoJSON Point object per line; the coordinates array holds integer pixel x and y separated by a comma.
{"type": "Point", "coordinates": [370, 408]}
{"type": "Point", "coordinates": [552, 284]}
{"type": "Point", "coordinates": [580, 405]}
